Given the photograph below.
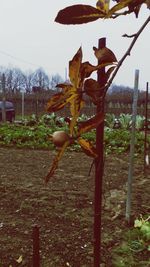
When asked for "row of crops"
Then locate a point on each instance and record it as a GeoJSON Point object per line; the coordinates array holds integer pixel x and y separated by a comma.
{"type": "Point", "coordinates": [36, 134]}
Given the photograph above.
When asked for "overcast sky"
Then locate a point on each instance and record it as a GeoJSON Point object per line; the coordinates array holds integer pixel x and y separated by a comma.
{"type": "Point", "coordinates": [31, 39]}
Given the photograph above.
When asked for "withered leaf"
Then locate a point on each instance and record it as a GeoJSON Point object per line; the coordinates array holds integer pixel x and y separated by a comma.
{"type": "Point", "coordinates": [74, 68]}
{"type": "Point", "coordinates": [88, 148]}
{"type": "Point", "coordinates": [90, 124]}
{"type": "Point", "coordinates": [59, 100]}
{"type": "Point", "coordinates": [56, 161]}
{"type": "Point", "coordinates": [131, 4]}
{"type": "Point", "coordinates": [56, 102]}
{"type": "Point", "coordinates": [92, 89]}
{"type": "Point", "coordinates": [103, 5]}
{"type": "Point", "coordinates": [109, 72]}
{"type": "Point", "coordinates": [104, 55]}
{"type": "Point", "coordinates": [78, 14]}
{"type": "Point", "coordinates": [87, 69]}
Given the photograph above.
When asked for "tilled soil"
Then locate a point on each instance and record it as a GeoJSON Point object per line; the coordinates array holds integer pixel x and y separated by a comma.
{"type": "Point", "coordinates": [63, 210]}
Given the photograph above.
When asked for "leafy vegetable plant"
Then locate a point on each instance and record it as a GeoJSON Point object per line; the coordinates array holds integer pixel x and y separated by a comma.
{"type": "Point", "coordinates": [144, 231]}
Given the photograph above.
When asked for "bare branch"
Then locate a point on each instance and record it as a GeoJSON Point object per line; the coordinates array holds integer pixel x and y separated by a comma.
{"type": "Point", "coordinates": [129, 36]}
{"type": "Point", "coordinates": [115, 15]}
{"type": "Point", "coordinates": [136, 36]}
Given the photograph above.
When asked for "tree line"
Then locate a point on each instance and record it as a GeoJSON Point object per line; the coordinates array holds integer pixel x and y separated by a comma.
{"type": "Point", "coordinates": [124, 95]}
{"type": "Point", "coordinates": [16, 80]}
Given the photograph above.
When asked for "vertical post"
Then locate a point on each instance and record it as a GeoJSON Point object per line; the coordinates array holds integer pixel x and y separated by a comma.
{"type": "Point", "coordinates": [3, 99]}
{"type": "Point", "coordinates": [99, 168]}
{"type": "Point", "coordinates": [132, 146]}
{"type": "Point", "coordinates": [145, 127]}
{"type": "Point", "coordinates": [36, 106]}
{"type": "Point", "coordinates": [36, 247]}
{"type": "Point", "coordinates": [22, 105]}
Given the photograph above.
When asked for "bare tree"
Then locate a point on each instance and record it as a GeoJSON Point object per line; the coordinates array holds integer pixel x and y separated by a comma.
{"type": "Point", "coordinates": [29, 77]}
{"type": "Point", "coordinates": [55, 79]}
{"type": "Point", "coordinates": [15, 80]}
{"type": "Point", "coordinates": [41, 79]}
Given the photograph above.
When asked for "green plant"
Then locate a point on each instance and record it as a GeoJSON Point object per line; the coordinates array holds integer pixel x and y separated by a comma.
{"type": "Point", "coordinates": [116, 140]}
{"type": "Point", "coordinates": [48, 119]}
{"type": "Point", "coordinates": [37, 136]}
{"type": "Point", "coordinates": [32, 120]}
{"type": "Point", "coordinates": [109, 120]}
{"type": "Point", "coordinates": [134, 246]}
{"type": "Point", "coordinates": [140, 122]}
{"type": "Point", "coordinates": [125, 121]}
{"type": "Point", "coordinates": [83, 117]}
{"type": "Point", "coordinates": [40, 136]}
{"type": "Point", "coordinates": [143, 226]}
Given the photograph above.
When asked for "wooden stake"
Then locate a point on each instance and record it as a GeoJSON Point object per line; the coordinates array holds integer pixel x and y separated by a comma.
{"type": "Point", "coordinates": [99, 167]}
{"type": "Point", "coordinates": [36, 247]}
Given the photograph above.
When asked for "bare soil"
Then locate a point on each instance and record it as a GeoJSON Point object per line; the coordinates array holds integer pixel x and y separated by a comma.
{"type": "Point", "coordinates": [63, 210]}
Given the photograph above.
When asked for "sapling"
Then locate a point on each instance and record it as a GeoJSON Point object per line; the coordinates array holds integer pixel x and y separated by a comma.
{"type": "Point", "coordinates": [72, 94]}
{"type": "Point", "coordinates": [81, 83]}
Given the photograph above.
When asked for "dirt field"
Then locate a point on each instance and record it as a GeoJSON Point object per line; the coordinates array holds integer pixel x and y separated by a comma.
{"type": "Point", "coordinates": [64, 208]}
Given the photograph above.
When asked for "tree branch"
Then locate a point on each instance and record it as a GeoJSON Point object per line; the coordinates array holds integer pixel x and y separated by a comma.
{"type": "Point", "coordinates": [115, 15]}
{"type": "Point", "coordinates": [129, 36]}
{"type": "Point", "coordinates": [136, 36]}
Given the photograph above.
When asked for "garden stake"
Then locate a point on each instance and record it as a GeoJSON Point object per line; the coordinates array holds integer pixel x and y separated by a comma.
{"type": "Point", "coordinates": [99, 167]}
{"type": "Point", "coordinates": [145, 127]}
{"type": "Point", "coordinates": [22, 105]}
{"type": "Point", "coordinates": [132, 148]}
{"type": "Point", "coordinates": [36, 247]}
{"type": "Point", "coordinates": [4, 98]}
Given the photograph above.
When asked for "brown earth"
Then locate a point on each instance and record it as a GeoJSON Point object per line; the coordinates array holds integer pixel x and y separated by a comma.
{"type": "Point", "coordinates": [63, 209]}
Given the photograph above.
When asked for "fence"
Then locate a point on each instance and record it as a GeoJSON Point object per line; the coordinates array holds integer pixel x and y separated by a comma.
{"type": "Point", "coordinates": [39, 108]}
{"type": "Point", "coordinates": [36, 104]}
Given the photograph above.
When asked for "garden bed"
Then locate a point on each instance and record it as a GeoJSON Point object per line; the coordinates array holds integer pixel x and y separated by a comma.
{"type": "Point", "coordinates": [63, 209]}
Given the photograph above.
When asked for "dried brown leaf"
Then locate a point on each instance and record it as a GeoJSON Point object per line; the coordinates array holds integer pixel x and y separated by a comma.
{"type": "Point", "coordinates": [78, 14]}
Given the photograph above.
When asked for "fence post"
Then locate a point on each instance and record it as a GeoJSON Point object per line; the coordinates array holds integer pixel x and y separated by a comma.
{"type": "Point", "coordinates": [132, 146]}
{"type": "Point", "coordinates": [4, 99]}
{"type": "Point", "coordinates": [36, 246]}
{"type": "Point", "coordinates": [22, 106]}
{"type": "Point", "coordinates": [145, 129]}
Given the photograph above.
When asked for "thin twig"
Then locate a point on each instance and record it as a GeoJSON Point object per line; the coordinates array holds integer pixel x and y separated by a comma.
{"type": "Point", "coordinates": [136, 36]}
{"type": "Point", "coordinates": [115, 15]}
{"type": "Point", "coordinates": [127, 53]}
{"type": "Point", "coordinates": [91, 167]}
{"type": "Point", "coordinates": [129, 36]}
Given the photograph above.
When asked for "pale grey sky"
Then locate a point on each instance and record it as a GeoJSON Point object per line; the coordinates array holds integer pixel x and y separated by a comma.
{"type": "Point", "coordinates": [30, 39]}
